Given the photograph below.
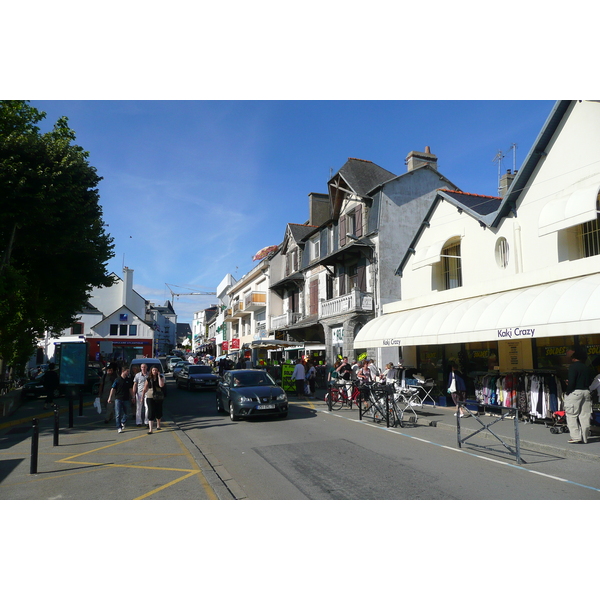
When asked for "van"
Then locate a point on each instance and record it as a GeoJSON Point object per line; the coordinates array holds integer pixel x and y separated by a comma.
{"type": "Point", "coordinates": [149, 362]}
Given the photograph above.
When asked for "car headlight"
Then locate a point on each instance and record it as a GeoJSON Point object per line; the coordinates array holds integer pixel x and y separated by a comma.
{"type": "Point", "coordinates": [245, 399]}
{"type": "Point", "coordinates": [282, 397]}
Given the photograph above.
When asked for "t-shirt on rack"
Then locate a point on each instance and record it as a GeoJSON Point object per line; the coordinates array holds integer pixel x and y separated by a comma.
{"type": "Point", "coordinates": [537, 393]}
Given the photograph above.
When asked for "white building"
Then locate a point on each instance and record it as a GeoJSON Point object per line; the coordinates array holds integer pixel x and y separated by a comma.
{"type": "Point", "coordinates": [507, 284]}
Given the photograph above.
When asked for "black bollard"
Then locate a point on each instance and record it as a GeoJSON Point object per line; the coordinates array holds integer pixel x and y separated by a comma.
{"type": "Point", "coordinates": [35, 436]}
{"type": "Point", "coordinates": [70, 392]}
{"type": "Point", "coordinates": [55, 425]}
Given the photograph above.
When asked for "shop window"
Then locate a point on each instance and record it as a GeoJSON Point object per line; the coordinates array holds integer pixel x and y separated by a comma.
{"type": "Point", "coordinates": [451, 265]}
{"type": "Point", "coordinates": [114, 330]}
{"type": "Point", "coordinates": [133, 330]}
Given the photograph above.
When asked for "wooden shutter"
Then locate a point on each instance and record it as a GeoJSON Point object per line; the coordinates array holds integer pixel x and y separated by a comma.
{"type": "Point", "coordinates": [358, 221]}
{"type": "Point", "coordinates": [314, 297]}
{"type": "Point", "coordinates": [362, 278]}
{"type": "Point", "coordinates": [341, 282]}
{"type": "Point", "coordinates": [343, 230]}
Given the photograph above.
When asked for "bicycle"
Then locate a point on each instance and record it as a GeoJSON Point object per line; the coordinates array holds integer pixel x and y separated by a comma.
{"type": "Point", "coordinates": [376, 404]}
{"type": "Point", "coordinates": [337, 395]}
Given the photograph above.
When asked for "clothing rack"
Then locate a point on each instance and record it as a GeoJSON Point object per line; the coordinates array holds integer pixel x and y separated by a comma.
{"type": "Point", "coordinates": [535, 392]}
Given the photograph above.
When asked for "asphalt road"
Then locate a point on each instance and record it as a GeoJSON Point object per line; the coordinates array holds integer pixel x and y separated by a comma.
{"type": "Point", "coordinates": [320, 456]}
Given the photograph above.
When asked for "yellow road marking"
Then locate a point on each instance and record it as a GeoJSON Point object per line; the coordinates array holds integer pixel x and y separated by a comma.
{"type": "Point", "coordinates": [203, 481]}
{"type": "Point", "coordinates": [165, 486]}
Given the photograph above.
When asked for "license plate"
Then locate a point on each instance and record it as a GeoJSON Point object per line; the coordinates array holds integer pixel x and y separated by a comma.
{"type": "Point", "coordinates": [265, 406]}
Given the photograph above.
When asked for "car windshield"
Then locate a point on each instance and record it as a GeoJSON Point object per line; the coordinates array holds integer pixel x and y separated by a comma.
{"type": "Point", "coordinates": [251, 379]}
{"type": "Point", "coordinates": [195, 369]}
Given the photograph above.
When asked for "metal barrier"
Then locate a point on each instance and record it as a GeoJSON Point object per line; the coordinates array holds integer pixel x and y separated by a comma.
{"type": "Point", "coordinates": [511, 412]}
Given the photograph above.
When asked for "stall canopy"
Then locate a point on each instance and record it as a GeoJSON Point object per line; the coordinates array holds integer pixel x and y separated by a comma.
{"type": "Point", "coordinates": [567, 307]}
{"type": "Point", "coordinates": [270, 344]}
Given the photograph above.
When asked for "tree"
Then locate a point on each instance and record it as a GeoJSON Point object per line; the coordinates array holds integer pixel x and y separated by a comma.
{"type": "Point", "coordinates": [52, 239]}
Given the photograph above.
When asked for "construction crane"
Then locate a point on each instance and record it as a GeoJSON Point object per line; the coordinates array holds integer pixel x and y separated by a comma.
{"type": "Point", "coordinates": [195, 293]}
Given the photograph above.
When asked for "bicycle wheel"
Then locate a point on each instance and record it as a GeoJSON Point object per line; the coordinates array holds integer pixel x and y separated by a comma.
{"type": "Point", "coordinates": [333, 396]}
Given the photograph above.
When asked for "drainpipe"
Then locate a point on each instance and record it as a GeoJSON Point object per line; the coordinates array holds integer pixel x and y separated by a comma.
{"type": "Point", "coordinates": [518, 249]}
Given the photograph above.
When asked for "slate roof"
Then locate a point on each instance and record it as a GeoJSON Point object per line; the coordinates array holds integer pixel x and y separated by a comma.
{"type": "Point", "coordinates": [299, 231]}
{"type": "Point", "coordinates": [363, 175]}
{"type": "Point", "coordinates": [482, 205]}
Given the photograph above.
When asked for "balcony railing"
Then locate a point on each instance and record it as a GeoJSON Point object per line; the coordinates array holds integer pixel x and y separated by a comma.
{"type": "Point", "coordinates": [285, 320]}
{"type": "Point", "coordinates": [354, 301]}
{"type": "Point", "coordinates": [255, 300]}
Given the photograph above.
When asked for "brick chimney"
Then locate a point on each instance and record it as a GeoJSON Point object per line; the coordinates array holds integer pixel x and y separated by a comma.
{"type": "Point", "coordinates": [505, 182]}
{"type": "Point", "coordinates": [415, 159]}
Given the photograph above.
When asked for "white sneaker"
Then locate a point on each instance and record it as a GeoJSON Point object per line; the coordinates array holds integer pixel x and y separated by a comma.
{"type": "Point", "coordinates": [119, 430]}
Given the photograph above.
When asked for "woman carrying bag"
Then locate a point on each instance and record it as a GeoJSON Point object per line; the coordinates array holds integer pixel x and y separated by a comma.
{"type": "Point", "coordinates": [154, 393]}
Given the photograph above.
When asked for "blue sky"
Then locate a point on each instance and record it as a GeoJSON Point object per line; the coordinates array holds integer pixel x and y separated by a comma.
{"type": "Point", "coordinates": [192, 189]}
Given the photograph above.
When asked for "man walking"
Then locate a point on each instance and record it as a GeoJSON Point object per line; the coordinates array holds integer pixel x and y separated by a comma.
{"type": "Point", "coordinates": [578, 403]}
{"type": "Point", "coordinates": [122, 392]}
{"type": "Point", "coordinates": [139, 381]}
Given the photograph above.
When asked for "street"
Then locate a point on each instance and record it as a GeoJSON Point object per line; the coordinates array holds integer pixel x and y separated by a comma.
{"type": "Point", "coordinates": [319, 455]}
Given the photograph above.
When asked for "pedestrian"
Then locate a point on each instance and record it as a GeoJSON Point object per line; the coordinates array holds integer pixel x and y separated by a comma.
{"type": "Point", "coordinates": [110, 374]}
{"type": "Point", "coordinates": [122, 393]}
{"type": "Point", "coordinates": [390, 374]}
{"type": "Point", "coordinates": [332, 373]}
{"type": "Point", "coordinates": [139, 382]}
{"type": "Point", "coordinates": [578, 402]}
{"type": "Point", "coordinates": [155, 395]}
{"type": "Point", "coordinates": [299, 375]}
{"type": "Point", "coordinates": [311, 376]}
{"type": "Point", "coordinates": [458, 390]}
{"type": "Point", "coordinates": [364, 374]}
{"type": "Point", "coordinates": [345, 370]}
{"type": "Point", "coordinates": [50, 383]}
{"type": "Point", "coordinates": [373, 368]}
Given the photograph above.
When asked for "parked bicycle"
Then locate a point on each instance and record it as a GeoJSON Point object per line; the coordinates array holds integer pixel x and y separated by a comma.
{"type": "Point", "coordinates": [342, 393]}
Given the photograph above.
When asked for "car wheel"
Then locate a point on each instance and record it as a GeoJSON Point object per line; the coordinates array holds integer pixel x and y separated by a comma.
{"type": "Point", "coordinates": [232, 415]}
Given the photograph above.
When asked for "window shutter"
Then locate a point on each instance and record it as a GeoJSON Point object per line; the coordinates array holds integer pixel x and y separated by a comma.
{"type": "Point", "coordinates": [362, 278]}
{"type": "Point", "coordinates": [341, 282]}
{"type": "Point", "coordinates": [358, 221]}
{"type": "Point", "coordinates": [343, 230]}
{"type": "Point", "coordinates": [314, 297]}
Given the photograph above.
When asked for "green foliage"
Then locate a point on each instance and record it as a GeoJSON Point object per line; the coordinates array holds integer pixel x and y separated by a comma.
{"type": "Point", "coordinates": [53, 246]}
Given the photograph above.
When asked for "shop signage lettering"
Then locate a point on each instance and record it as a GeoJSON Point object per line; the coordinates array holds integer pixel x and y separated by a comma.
{"type": "Point", "coordinates": [391, 342]}
{"type": "Point", "coordinates": [515, 332]}
{"type": "Point", "coordinates": [591, 350]}
{"type": "Point", "coordinates": [556, 351]}
{"type": "Point", "coordinates": [481, 353]}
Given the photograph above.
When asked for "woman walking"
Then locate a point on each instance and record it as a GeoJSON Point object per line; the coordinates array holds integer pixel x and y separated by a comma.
{"type": "Point", "coordinates": [154, 393]}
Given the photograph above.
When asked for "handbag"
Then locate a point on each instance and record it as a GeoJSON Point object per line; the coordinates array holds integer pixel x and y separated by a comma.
{"type": "Point", "coordinates": [97, 405]}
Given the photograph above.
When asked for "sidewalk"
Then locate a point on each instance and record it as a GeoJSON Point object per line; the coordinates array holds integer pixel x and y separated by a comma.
{"type": "Point", "coordinates": [94, 462]}
{"type": "Point", "coordinates": [536, 437]}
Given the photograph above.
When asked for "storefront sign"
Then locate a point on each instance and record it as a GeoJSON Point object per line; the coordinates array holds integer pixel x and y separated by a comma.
{"type": "Point", "coordinates": [391, 342]}
{"type": "Point", "coordinates": [235, 344]}
{"type": "Point", "coordinates": [515, 332]}
{"type": "Point", "coordinates": [337, 336]}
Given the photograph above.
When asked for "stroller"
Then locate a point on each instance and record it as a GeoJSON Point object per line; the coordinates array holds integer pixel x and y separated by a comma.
{"type": "Point", "coordinates": [559, 422]}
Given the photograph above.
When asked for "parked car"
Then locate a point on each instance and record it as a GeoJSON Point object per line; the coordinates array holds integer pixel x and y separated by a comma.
{"type": "Point", "coordinates": [250, 392]}
{"type": "Point", "coordinates": [178, 366]}
{"type": "Point", "coordinates": [35, 387]}
{"type": "Point", "coordinates": [196, 377]}
{"type": "Point", "coordinates": [171, 362]}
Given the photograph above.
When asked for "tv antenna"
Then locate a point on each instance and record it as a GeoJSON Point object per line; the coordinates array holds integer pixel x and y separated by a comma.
{"type": "Point", "coordinates": [498, 158]}
{"type": "Point", "coordinates": [514, 150]}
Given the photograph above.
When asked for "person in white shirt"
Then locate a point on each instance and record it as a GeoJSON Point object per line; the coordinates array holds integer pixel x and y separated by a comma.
{"type": "Point", "coordinates": [298, 376]}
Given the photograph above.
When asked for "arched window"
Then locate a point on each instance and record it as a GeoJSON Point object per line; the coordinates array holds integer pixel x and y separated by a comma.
{"type": "Point", "coordinates": [451, 265]}
{"type": "Point", "coordinates": [589, 235]}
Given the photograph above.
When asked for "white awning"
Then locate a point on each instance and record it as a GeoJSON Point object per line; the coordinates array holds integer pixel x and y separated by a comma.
{"type": "Point", "coordinates": [271, 344]}
{"type": "Point", "coordinates": [568, 307]}
{"type": "Point", "coordinates": [572, 209]}
{"type": "Point", "coordinates": [428, 255]}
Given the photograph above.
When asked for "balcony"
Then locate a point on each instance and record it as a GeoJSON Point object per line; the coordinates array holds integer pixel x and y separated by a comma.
{"type": "Point", "coordinates": [228, 315]}
{"type": "Point", "coordinates": [238, 309]}
{"type": "Point", "coordinates": [285, 320]}
{"type": "Point", "coordinates": [255, 300]}
{"type": "Point", "coordinates": [355, 301]}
